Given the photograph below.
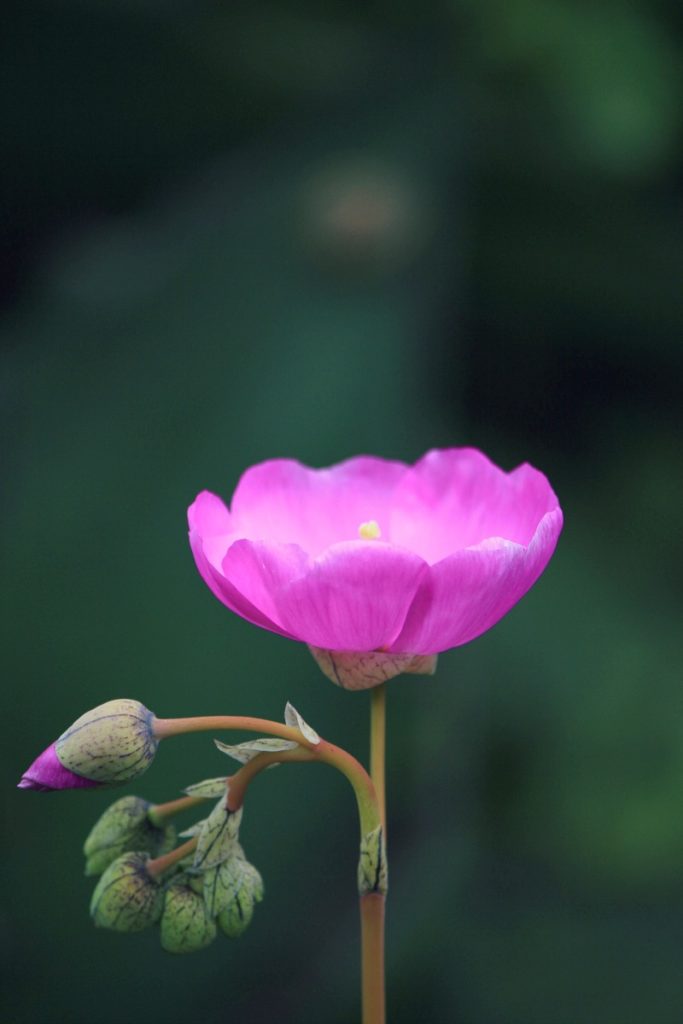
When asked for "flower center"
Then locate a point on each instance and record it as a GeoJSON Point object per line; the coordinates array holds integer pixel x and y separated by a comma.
{"type": "Point", "coordinates": [369, 530]}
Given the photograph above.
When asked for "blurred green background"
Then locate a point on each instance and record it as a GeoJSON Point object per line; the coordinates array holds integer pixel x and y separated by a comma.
{"type": "Point", "coordinates": [237, 231]}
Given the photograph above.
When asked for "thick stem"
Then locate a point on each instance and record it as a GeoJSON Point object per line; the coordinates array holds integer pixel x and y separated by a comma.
{"type": "Point", "coordinates": [372, 954]}
{"type": "Point", "coordinates": [370, 815]}
{"type": "Point", "coordinates": [378, 732]}
{"type": "Point", "coordinates": [372, 904]}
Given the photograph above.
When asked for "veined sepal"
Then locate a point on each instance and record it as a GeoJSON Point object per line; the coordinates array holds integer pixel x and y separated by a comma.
{"type": "Point", "coordinates": [127, 898]}
{"type": "Point", "coordinates": [125, 826]}
{"type": "Point", "coordinates": [217, 836]}
{"type": "Point", "coordinates": [361, 670]}
{"type": "Point", "coordinates": [186, 926]}
{"type": "Point", "coordinates": [373, 875]}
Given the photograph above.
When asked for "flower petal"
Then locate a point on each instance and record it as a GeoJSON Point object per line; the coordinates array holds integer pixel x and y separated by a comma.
{"type": "Point", "coordinates": [354, 597]}
{"type": "Point", "coordinates": [226, 592]}
{"type": "Point", "coordinates": [208, 515]}
{"type": "Point", "coordinates": [47, 773]}
{"type": "Point", "coordinates": [456, 498]}
{"type": "Point", "coordinates": [283, 501]}
{"type": "Point", "coordinates": [469, 591]}
{"type": "Point", "coordinates": [259, 570]}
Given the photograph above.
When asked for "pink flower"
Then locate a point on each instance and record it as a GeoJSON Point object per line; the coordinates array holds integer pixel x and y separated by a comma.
{"type": "Point", "coordinates": [377, 557]}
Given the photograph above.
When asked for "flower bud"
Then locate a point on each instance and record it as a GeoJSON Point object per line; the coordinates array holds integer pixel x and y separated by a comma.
{"type": "Point", "coordinates": [127, 898]}
{"type": "Point", "coordinates": [185, 924]}
{"type": "Point", "coordinates": [246, 891]}
{"type": "Point", "coordinates": [111, 744]}
{"type": "Point", "coordinates": [124, 826]}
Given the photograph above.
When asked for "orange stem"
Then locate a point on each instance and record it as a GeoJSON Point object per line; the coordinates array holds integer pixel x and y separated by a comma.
{"type": "Point", "coordinates": [372, 957]}
{"type": "Point", "coordinates": [161, 864]}
{"type": "Point", "coordinates": [158, 814]}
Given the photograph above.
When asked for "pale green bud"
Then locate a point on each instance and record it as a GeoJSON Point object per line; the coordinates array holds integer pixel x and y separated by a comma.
{"type": "Point", "coordinates": [124, 826]}
{"type": "Point", "coordinates": [244, 887]}
{"type": "Point", "coordinates": [196, 883]}
{"type": "Point", "coordinates": [127, 898]}
{"type": "Point", "coordinates": [113, 743]}
{"type": "Point", "coordinates": [185, 924]}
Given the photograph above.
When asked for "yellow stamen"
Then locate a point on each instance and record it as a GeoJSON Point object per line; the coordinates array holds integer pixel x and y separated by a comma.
{"type": "Point", "coordinates": [369, 530]}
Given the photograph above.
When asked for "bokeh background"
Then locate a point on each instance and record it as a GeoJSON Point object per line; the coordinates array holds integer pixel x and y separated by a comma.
{"type": "Point", "coordinates": [236, 231]}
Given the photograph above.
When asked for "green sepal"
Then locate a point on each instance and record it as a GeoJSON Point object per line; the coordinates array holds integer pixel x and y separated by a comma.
{"type": "Point", "coordinates": [125, 826]}
{"type": "Point", "coordinates": [295, 721]}
{"type": "Point", "coordinates": [208, 788]}
{"type": "Point", "coordinates": [185, 925]}
{"type": "Point", "coordinates": [196, 882]}
{"type": "Point", "coordinates": [217, 837]}
{"type": "Point", "coordinates": [372, 865]}
{"type": "Point", "coordinates": [247, 751]}
{"type": "Point", "coordinates": [236, 918]}
{"type": "Point", "coordinates": [232, 879]}
{"type": "Point", "coordinates": [111, 743]}
{"type": "Point", "coordinates": [127, 898]}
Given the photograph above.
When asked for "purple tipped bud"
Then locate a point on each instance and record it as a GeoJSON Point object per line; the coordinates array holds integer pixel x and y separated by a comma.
{"type": "Point", "coordinates": [109, 745]}
{"type": "Point", "coordinates": [47, 773]}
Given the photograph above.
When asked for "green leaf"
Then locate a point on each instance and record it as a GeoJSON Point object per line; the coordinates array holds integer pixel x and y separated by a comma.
{"type": "Point", "coordinates": [295, 721]}
{"type": "Point", "coordinates": [247, 751]}
{"type": "Point", "coordinates": [193, 830]}
{"type": "Point", "coordinates": [209, 788]}
{"type": "Point", "coordinates": [217, 837]}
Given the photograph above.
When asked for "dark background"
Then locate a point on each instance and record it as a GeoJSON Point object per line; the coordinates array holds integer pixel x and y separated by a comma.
{"type": "Point", "coordinates": [237, 231]}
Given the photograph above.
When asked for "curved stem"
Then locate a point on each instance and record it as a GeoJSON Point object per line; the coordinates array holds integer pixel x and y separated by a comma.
{"type": "Point", "coordinates": [163, 728]}
{"type": "Point", "coordinates": [370, 813]}
{"type": "Point", "coordinates": [378, 732]}
{"type": "Point", "coordinates": [240, 781]}
{"type": "Point", "coordinates": [328, 753]}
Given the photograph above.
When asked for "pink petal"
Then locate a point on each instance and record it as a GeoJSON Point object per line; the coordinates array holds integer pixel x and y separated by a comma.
{"type": "Point", "coordinates": [47, 773]}
{"type": "Point", "coordinates": [456, 498]}
{"type": "Point", "coordinates": [354, 597]}
{"type": "Point", "coordinates": [226, 592]}
{"type": "Point", "coordinates": [283, 501]}
{"type": "Point", "coordinates": [469, 591]}
{"type": "Point", "coordinates": [208, 516]}
{"type": "Point", "coordinates": [259, 570]}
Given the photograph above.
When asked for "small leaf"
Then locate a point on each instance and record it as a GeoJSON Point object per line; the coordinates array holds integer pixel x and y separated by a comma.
{"type": "Point", "coordinates": [245, 752]}
{"type": "Point", "coordinates": [372, 866]}
{"type": "Point", "coordinates": [209, 788]}
{"type": "Point", "coordinates": [295, 721]}
{"type": "Point", "coordinates": [193, 830]}
{"type": "Point", "coordinates": [217, 837]}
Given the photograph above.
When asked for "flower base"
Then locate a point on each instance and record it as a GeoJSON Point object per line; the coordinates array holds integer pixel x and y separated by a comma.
{"type": "Point", "coordinates": [360, 670]}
